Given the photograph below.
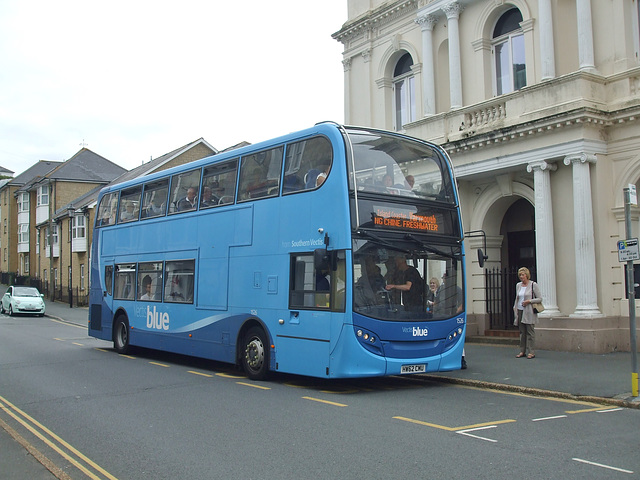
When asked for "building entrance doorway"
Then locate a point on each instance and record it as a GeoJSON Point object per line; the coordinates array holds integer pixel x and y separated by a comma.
{"type": "Point", "coordinates": [518, 250]}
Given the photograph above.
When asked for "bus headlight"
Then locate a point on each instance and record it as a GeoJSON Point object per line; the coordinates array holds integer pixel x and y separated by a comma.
{"type": "Point", "coordinates": [453, 338]}
{"type": "Point", "coordinates": [368, 340]}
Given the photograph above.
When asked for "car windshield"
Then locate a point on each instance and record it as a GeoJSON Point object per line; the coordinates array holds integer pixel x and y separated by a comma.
{"type": "Point", "coordinates": [25, 292]}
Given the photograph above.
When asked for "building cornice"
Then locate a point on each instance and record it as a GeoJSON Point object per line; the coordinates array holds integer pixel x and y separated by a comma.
{"type": "Point", "coordinates": [365, 25]}
{"type": "Point", "coordinates": [581, 118]}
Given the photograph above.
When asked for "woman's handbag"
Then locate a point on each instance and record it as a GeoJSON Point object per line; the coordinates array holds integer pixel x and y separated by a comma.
{"type": "Point", "coordinates": [538, 307]}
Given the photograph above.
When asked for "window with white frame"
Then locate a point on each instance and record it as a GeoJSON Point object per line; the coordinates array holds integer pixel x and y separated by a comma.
{"type": "Point", "coordinates": [78, 227]}
{"type": "Point", "coordinates": [53, 238]}
{"type": "Point", "coordinates": [23, 202]}
{"type": "Point", "coordinates": [82, 276]}
{"type": "Point", "coordinates": [404, 103]}
{"type": "Point", "coordinates": [23, 233]}
{"type": "Point", "coordinates": [43, 195]}
{"type": "Point", "coordinates": [510, 70]}
{"type": "Point", "coordinates": [26, 264]}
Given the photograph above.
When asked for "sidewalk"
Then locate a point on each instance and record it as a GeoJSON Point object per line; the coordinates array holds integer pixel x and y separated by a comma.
{"type": "Point", "coordinates": [600, 378]}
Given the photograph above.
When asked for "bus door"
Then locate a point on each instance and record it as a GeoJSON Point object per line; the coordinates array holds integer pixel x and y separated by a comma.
{"type": "Point", "coordinates": [305, 329]}
{"type": "Point", "coordinates": [107, 293]}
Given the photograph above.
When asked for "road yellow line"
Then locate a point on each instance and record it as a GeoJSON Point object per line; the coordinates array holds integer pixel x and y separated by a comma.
{"type": "Point", "coordinates": [253, 385]}
{"type": "Point", "coordinates": [159, 364]}
{"type": "Point", "coordinates": [453, 429]}
{"type": "Point", "coordinates": [586, 410]}
{"type": "Point", "coordinates": [325, 401]}
{"type": "Point", "coordinates": [40, 430]}
{"type": "Point", "coordinates": [200, 373]}
{"type": "Point", "coordinates": [226, 375]}
{"type": "Point", "coordinates": [37, 454]}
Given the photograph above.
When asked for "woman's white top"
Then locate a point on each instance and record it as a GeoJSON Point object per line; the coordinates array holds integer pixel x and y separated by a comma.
{"type": "Point", "coordinates": [521, 293]}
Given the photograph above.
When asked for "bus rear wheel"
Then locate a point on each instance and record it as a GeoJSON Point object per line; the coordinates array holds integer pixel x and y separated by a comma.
{"type": "Point", "coordinates": [121, 335]}
{"type": "Point", "coordinates": [255, 354]}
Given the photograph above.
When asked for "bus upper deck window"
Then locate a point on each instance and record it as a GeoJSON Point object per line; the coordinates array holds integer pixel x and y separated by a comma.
{"type": "Point", "coordinates": [184, 191]}
{"type": "Point", "coordinates": [260, 174]}
{"type": "Point", "coordinates": [307, 164]}
{"type": "Point", "coordinates": [107, 210]}
{"type": "Point", "coordinates": [154, 203]}
{"type": "Point", "coordinates": [130, 205]}
{"type": "Point", "coordinates": [219, 184]}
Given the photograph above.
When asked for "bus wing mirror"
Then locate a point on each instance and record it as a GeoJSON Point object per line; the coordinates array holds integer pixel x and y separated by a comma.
{"type": "Point", "coordinates": [325, 259]}
{"type": "Point", "coordinates": [482, 258]}
{"type": "Point", "coordinates": [321, 259]}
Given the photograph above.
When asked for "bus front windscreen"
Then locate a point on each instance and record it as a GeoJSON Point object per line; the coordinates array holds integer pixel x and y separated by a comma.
{"type": "Point", "coordinates": [402, 281]}
{"type": "Point", "coordinates": [399, 166]}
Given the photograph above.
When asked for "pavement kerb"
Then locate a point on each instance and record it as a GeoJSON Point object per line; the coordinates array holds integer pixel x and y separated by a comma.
{"type": "Point", "coordinates": [536, 392]}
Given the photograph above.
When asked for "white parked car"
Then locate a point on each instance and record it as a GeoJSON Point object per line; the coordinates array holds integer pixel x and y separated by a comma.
{"type": "Point", "coordinates": [22, 300]}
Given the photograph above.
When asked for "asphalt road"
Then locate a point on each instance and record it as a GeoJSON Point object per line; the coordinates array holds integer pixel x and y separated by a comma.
{"type": "Point", "coordinates": [95, 414]}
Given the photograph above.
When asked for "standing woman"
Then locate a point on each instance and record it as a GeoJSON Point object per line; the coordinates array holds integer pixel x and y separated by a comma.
{"type": "Point", "coordinates": [527, 292]}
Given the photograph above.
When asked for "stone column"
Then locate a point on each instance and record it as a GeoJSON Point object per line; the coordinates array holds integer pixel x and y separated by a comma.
{"type": "Point", "coordinates": [427, 22]}
{"type": "Point", "coordinates": [346, 64]}
{"type": "Point", "coordinates": [452, 10]}
{"type": "Point", "coordinates": [585, 35]}
{"type": "Point", "coordinates": [547, 51]}
{"type": "Point", "coordinates": [545, 249]}
{"type": "Point", "coordinates": [586, 293]}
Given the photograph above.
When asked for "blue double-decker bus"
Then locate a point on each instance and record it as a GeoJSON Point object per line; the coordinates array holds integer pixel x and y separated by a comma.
{"type": "Point", "coordinates": [332, 252]}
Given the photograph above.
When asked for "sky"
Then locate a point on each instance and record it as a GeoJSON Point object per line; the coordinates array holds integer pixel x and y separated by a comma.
{"type": "Point", "coordinates": [135, 79]}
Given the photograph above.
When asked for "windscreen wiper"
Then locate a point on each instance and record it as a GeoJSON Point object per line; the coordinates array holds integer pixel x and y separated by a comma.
{"type": "Point", "coordinates": [429, 248]}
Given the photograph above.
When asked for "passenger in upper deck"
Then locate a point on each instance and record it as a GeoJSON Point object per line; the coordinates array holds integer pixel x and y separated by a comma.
{"type": "Point", "coordinates": [190, 201]}
{"type": "Point", "coordinates": [410, 181]}
{"type": "Point", "coordinates": [128, 212]}
{"type": "Point", "coordinates": [208, 198]}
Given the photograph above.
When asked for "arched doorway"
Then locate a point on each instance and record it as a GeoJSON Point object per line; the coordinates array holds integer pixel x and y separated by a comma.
{"type": "Point", "coordinates": [518, 250]}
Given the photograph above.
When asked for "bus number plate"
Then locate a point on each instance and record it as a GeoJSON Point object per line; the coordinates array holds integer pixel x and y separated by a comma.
{"type": "Point", "coordinates": [413, 368]}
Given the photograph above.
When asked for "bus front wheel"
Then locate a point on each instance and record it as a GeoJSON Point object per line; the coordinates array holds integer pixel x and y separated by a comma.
{"type": "Point", "coordinates": [121, 335]}
{"type": "Point", "coordinates": [255, 354]}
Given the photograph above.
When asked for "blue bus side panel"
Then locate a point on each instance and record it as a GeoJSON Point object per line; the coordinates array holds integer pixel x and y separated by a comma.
{"type": "Point", "coordinates": [302, 356]}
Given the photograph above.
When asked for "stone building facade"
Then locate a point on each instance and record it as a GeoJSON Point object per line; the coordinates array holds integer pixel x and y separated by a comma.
{"type": "Point", "coordinates": [537, 103]}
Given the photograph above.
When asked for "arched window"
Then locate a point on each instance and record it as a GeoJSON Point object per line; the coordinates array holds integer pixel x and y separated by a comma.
{"type": "Point", "coordinates": [508, 48]}
{"type": "Point", "coordinates": [404, 92]}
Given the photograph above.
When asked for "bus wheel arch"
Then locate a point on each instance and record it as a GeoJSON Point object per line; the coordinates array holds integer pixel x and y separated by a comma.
{"type": "Point", "coordinates": [254, 350]}
{"type": "Point", "coordinates": [121, 334]}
